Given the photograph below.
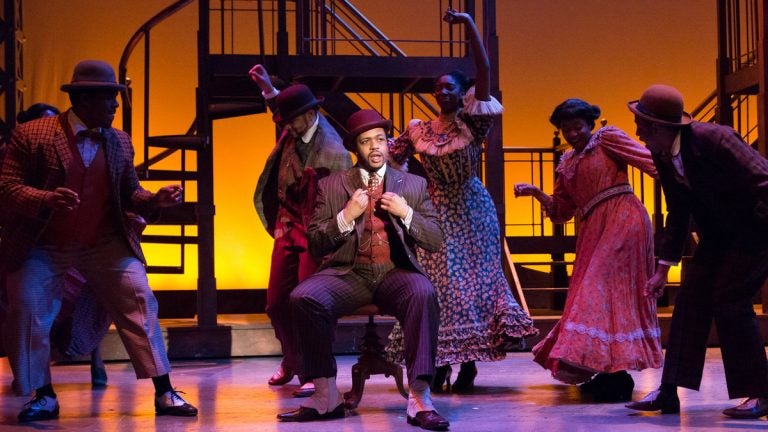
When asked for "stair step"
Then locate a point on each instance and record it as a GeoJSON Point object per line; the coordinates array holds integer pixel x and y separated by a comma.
{"type": "Point", "coordinates": [234, 109]}
{"type": "Point", "coordinates": [168, 239]}
{"type": "Point", "coordinates": [165, 269]}
{"type": "Point", "coordinates": [167, 175]}
{"type": "Point", "coordinates": [180, 142]}
{"type": "Point", "coordinates": [182, 214]}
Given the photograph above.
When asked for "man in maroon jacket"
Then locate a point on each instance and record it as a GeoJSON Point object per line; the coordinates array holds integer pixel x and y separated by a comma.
{"type": "Point", "coordinates": [711, 177]}
{"type": "Point", "coordinates": [67, 184]}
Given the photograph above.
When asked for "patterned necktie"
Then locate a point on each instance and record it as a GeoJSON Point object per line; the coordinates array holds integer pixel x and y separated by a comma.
{"type": "Point", "coordinates": [373, 184]}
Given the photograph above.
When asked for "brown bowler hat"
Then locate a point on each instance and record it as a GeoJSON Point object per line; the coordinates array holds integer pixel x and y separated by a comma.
{"type": "Point", "coordinates": [661, 104]}
{"type": "Point", "coordinates": [293, 102]}
{"type": "Point", "coordinates": [363, 121]}
{"type": "Point", "coordinates": [93, 75]}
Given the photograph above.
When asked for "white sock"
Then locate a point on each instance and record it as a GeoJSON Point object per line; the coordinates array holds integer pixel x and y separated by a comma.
{"type": "Point", "coordinates": [319, 400]}
{"type": "Point", "coordinates": [334, 395]}
{"type": "Point", "coordinates": [419, 398]}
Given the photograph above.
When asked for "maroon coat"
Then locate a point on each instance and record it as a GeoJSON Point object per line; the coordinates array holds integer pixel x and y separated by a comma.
{"type": "Point", "coordinates": [35, 163]}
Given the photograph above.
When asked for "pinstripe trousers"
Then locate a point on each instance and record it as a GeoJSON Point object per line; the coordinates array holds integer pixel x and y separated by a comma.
{"type": "Point", "coordinates": [119, 283]}
{"type": "Point", "coordinates": [318, 302]}
{"type": "Point", "coordinates": [719, 286]}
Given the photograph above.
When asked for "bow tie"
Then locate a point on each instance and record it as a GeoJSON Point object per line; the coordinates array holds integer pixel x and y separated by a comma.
{"type": "Point", "coordinates": [95, 134]}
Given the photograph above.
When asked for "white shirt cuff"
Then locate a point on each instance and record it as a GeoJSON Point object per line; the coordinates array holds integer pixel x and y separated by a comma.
{"type": "Point", "coordinates": [408, 218]}
{"type": "Point", "coordinates": [344, 227]}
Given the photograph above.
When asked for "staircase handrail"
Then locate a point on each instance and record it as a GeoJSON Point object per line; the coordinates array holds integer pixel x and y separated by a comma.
{"type": "Point", "coordinates": [131, 45]}
{"type": "Point", "coordinates": [367, 25]}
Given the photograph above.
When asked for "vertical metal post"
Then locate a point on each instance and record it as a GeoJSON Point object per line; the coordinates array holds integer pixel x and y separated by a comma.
{"type": "Point", "coordinates": [206, 282]}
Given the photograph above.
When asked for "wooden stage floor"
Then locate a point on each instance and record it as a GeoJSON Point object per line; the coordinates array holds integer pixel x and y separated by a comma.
{"type": "Point", "coordinates": [512, 395]}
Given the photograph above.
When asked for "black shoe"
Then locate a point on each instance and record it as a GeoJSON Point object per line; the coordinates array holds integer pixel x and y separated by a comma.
{"type": "Point", "coordinates": [98, 376]}
{"type": "Point", "coordinates": [615, 387]}
{"type": "Point", "coordinates": [442, 375]}
{"type": "Point", "coordinates": [429, 420]}
{"type": "Point", "coordinates": [751, 408]}
{"type": "Point", "coordinates": [171, 403]}
{"type": "Point", "coordinates": [39, 408]}
{"type": "Point", "coordinates": [593, 384]}
{"type": "Point", "coordinates": [667, 403]}
{"type": "Point", "coordinates": [465, 381]}
{"type": "Point", "coordinates": [304, 414]}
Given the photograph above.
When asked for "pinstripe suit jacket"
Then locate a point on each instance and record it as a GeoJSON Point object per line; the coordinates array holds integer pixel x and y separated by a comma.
{"type": "Point", "coordinates": [338, 250]}
{"type": "Point", "coordinates": [36, 162]}
{"type": "Point", "coordinates": [728, 193]}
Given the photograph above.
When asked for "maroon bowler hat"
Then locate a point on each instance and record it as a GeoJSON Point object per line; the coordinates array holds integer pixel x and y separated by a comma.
{"type": "Point", "coordinates": [363, 121]}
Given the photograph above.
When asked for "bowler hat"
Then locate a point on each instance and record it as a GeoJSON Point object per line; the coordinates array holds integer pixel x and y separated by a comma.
{"type": "Point", "coordinates": [93, 75]}
{"type": "Point", "coordinates": [293, 102]}
{"type": "Point", "coordinates": [661, 104]}
{"type": "Point", "coordinates": [363, 121]}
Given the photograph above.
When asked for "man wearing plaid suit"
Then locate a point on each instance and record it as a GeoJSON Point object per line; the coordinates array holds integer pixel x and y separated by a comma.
{"type": "Point", "coordinates": [67, 184]}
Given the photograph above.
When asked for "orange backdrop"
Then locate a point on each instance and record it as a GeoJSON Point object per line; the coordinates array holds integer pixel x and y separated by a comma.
{"type": "Point", "coordinates": [604, 51]}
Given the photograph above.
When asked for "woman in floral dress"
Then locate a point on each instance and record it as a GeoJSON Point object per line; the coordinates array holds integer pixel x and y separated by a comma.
{"type": "Point", "coordinates": [608, 326]}
{"type": "Point", "coordinates": [479, 317]}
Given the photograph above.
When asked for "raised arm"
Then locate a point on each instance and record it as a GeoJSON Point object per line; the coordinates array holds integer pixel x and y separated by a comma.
{"type": "Point", "coordinates": [482, 64]}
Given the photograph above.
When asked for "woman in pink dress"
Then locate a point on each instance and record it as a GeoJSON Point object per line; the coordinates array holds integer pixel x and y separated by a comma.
{"type": "Point", "coordinates": [607, 326]}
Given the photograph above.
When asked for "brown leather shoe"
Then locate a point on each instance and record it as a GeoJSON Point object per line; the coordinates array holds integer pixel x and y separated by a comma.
{"type": "Point", "coordinates": [281, 376]}
{"type": "Point", "coordinates": [751, 408]}
{"type": "Point", "coordinates": [657, 401]}
{"type": "Point", "coordinates": [304, 414]}
{"type": "Point", "coordinates": [429, 420]}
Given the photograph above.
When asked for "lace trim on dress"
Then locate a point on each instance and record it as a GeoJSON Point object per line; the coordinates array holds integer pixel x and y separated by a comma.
{"type": "Point", "coordinates": [567, 166]}
{"type": "Point", "coordinates": [476, 107]}
{"type": "Point", "coordinates": [437, 138]}
{"type": "Point", "coordinates": [616, 337]}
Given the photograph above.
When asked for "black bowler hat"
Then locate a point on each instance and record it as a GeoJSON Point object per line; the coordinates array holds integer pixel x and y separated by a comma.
{"type": "Point", "coordinates": [93, 75]}
{"type": "Point", "coordinates": [293, 102]}
{"type": "Point", "coordinates": [363, 121]}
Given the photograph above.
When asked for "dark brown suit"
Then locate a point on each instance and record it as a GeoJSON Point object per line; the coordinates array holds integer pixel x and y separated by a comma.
{"type": "Point", "coordinates": [725, 192]}
{"type": "Point", "coordinates": [341, 286]}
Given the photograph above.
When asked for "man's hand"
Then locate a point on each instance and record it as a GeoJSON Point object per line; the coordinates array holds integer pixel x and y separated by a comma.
{"type": "Point", "coordinates": [260, 76]}
{"type": "Point", "coordinates": [655, 285]}
{"type": "Point", "coordinates": [356, 205]}
{"type": "Point", "coordinates": [62, 199]}
{"type": "Point", "coordinates": [169, 195]}
{"type": "Point", "coordinates": [394, 204]}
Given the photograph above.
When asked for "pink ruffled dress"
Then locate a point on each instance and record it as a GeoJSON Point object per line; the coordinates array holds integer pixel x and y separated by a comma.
{"type": "Point", "coordinates": [607, 324]}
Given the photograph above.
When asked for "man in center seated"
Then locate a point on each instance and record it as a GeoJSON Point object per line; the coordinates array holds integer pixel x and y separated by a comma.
{"type": "Point", "coordinates": [366, 224]}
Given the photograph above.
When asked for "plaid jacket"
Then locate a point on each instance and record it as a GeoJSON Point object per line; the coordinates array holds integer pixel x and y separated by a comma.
{"type": "Point", "coordinates": [327, 155]}
{"type": "Point", "coordinates": [36, 162]}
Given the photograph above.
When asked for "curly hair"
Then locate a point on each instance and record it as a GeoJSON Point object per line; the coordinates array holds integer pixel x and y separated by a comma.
{"type": "Point", "coordinates": [575, 109]}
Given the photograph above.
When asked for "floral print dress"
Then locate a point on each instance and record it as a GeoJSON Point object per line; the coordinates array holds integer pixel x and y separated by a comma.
{"type": "Point", "coordinates": [607, 325]}
{"type": "Point", "coordinates": [477, 309]}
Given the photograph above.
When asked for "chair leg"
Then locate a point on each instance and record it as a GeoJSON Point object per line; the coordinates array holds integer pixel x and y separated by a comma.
{"type": "Point", "coordinates": [352, 398]}
{"type": "Point", "coordinates": [371, 361]}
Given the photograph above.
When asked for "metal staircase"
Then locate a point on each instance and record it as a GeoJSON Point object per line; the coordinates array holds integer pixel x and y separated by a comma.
{"type": "Point", "coordinates": [326, 44]}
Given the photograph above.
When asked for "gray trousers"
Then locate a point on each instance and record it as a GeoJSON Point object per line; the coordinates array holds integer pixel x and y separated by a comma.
{"type": "Point", "coordinates": [119, 283]}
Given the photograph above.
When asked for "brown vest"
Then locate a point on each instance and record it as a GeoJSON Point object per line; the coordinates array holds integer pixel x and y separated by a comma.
{"type": "Point", "coordinates": [91, 221]}
{"type": "Point", "coordinates": [374, 244]}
